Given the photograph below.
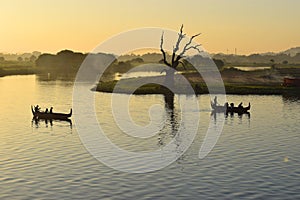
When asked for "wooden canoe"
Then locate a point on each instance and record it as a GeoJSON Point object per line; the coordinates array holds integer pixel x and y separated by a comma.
{"type": "Point", "coordinates": [228, 109]}
{"type": "Point", "coordinates": [43, 115]}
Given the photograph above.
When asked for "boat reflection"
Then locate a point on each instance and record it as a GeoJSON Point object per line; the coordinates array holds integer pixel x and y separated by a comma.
{"type": "Point", "coordinates": [229, 114]}
{"type": "Point", "coordinates": [37, 122]}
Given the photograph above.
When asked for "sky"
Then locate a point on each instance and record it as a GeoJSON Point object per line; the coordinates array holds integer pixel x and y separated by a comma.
{"type": "Point", "coordinates": [250, 26]}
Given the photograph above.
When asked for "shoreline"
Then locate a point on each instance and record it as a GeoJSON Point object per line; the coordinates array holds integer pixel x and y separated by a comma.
{"type": "Point", "coordinates": [16, 72]}
{"type": "Point", "coordinates": [200, 88]}
{"type": "Point", "coordinates": [262, 82]}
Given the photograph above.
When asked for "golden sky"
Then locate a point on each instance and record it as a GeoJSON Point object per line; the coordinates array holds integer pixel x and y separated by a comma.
{"type": "Point", "coordinates": [251, 26]}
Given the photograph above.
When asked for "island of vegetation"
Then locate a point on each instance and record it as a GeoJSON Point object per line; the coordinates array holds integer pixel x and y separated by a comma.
{"type": "Point", "coordinates": [252, 74]}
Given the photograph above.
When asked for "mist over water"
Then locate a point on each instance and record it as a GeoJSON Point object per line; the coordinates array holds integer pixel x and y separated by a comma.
{"type": "Point", "coordinates": [256, 157]}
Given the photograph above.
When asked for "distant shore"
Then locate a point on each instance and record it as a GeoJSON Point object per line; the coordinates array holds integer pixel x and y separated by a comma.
{"type": "Point", "coordinates": [4, 73]}
{"type": "Point", "coordinates": [11, 68]}
{"type": "Point", "coordinates": [260, 82]}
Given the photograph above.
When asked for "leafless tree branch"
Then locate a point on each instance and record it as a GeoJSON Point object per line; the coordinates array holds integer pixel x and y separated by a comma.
{"type": "Point", "coordinates": [176, 59]}
{"type": "Point", "coordinates": [183, 65]}
{"type": "Point", "coordinates": [180, 37]}
{"type": "Point", "coordinates": [187, 46]}
{"type": "Point", "coordinates": [162, 50]}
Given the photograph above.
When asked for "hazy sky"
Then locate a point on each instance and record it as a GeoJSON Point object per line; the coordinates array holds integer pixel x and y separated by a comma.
{"type": "Point", "coordinates": [49, 26]}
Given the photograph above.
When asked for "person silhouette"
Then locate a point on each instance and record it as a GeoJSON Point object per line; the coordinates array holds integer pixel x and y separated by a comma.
{"type": "Point", "coordinates": [240, 105]}
{"type": "Point", "coordinates": [226, 105]}
{"type": "Point", "coordinates": [46, 111]}
{"type": "Point", "coordinates": [51, 110]}
{"type": "Point", "coordinates": [215, 100]}
{"type": "Point", "coordinates": [37, 108]}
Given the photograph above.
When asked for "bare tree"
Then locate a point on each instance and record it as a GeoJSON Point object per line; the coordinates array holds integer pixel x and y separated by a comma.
{"type": "Point", "coordinates": [177, 56]}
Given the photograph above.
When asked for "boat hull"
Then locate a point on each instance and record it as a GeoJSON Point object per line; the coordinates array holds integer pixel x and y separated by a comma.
{"type": "Point", "coordinates": [225, 109]}
{"type": "Point", "coordinates": [43, 115]}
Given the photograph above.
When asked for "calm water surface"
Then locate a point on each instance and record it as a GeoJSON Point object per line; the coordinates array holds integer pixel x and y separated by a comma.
{"type": "Point", "coordinates": [255, 158]}
{"type": "Point", "coordinates": [251, 68]}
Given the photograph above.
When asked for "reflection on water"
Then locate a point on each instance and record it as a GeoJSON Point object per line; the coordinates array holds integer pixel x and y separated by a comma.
{"type": "Point", "coordinates": [47, 77]}
{"type": "Point", "coordinates": [255, 158]}
{"type": "Point", "coordinates": [172, 120]}
{"type": "Point", "coordinates": [251, 68]}
{"type": "Point", "coordinates": [230, 114]}
{"type": "Point", "coordinates": [37, 122]}
{"type": "Point", "coordinates": [289, 98]}
{"type": "Point", "coordinates": [138, 74]}
{"type": "Point", "coordinates": [119, 76]}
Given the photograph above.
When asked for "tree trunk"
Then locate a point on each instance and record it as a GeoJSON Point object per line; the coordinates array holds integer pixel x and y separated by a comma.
{"type": "Point", "coordinates": [169, 80]}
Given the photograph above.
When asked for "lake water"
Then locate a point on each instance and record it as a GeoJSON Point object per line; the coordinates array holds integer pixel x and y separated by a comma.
{"type": "Point", "coordinates": [256, 157]}
{"type": "Point", "coordinates": [252, 68]}
{"type": "Point", "coordinates": [138, 74]}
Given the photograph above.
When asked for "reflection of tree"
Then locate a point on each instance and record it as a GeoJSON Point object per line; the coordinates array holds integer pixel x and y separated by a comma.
{"type": "Point", "coordinates": [169, 100]}
{"type": "Point", "coordinates": [171, 127]}
{"type": "Point", "coordinates": [169, 103]}
{"type": "Point", "coordinates": [290, 98]}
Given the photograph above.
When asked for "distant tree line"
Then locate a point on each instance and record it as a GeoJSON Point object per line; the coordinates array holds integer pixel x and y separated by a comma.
{"type": "Point", "coordinates": [68, 62]}
{"type": "Point", "coordinates": [20, 57]}
{"type": "Point", "coordinates": [259, 58]}
{"type": "Point", "coordinates": [63, 61]}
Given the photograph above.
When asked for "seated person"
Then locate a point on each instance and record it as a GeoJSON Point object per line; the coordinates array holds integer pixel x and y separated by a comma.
{"type": "Point", "coordinates": [226, 105]}
{"type": "Point", "coordinates": [240, 105]}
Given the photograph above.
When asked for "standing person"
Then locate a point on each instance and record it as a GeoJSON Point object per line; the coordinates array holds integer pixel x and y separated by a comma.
{"type": "Point", "coordinates": [37, 108]}
{"type": "Point", "coordinates": [51, 110]}
{"type": "Point", "coordinates": [215, 100]}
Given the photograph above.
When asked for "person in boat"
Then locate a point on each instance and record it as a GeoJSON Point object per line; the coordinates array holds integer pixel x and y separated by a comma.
{"type": "Point", "coordinates": [226, 105]}
{"type": "Point", "coordinates": [232, 105]}
{"type": "Point", "coordinates": [37, 108]}
{"type": "Point", "coordinates": [51, 110]}
{"type": "Point", "coordinates": [46, 111]}
{"type": "Point", "coordinates": [240, 105]}
{"type": "Point", "coordinates": [215, 100]}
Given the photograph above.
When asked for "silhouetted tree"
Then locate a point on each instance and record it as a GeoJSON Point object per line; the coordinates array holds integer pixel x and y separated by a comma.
{"type": "Point", "coordinates": [138, 60]}
{"type": "Point", "coordinates": [32, 58]}
{"type": "Point", "coordinates": [20, 59]}
{"type": "Point", "coordinates": [176, 55]}
{"type": "Point", "coordinates": [272, 63]}
{"type": "Point", "coordinates": [219, 63]}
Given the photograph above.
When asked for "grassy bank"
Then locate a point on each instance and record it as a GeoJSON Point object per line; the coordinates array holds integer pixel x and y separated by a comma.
{"type": "Point", "coordinates": [8, 68]}
{"type": "Point", "coordinates": [199, 88]}
{"type": "Point", "coordinates": [26, 71]}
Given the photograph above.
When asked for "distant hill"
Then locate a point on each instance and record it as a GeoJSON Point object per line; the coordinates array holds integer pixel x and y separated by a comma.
{"type": "Point", "coordinates": [292, 51]}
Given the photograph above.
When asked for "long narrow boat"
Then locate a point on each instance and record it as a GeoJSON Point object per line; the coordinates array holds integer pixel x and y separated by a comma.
{"type": "Point", "coordinates": [228, 109]}
{"type": "Point", "coordinates": [43, 115]}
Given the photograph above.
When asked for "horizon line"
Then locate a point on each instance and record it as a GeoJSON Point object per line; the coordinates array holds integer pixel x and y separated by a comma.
{"type": "Point", "coordinates": [152, 51]}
